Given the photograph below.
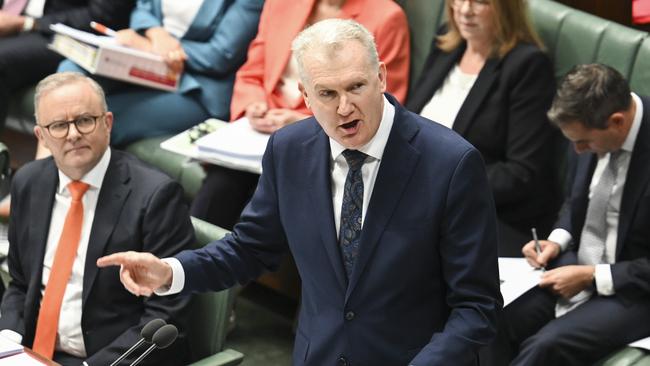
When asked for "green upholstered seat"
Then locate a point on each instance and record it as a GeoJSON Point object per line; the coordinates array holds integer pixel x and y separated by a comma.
{"type": "Point", "coordinates": [640, 76]}
{"type": "Point", "coordinates": [618, 47]}
{"type": "Point", "coordinates": [627, 356]}
{"type": "Point", "coordinates": [547, 17]}
{"type": "Point", "coordinates": [188, 173]}
{"type": "Point", "coordinates": [424, 17]}
{"type": "Point", "coordinates": [210, 312]}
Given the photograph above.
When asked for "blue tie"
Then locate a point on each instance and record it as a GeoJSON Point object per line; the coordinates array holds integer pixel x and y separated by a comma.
{"type": "Point", "coordinates": [350, 232]}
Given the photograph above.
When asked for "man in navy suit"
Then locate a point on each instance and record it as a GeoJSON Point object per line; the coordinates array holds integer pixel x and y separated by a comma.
{"type": "Point", "coordinates": [596, 297]}
{"type": "Point", "coordinates": [412, 277]}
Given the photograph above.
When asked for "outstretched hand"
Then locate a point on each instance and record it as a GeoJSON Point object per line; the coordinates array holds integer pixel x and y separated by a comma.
{"type": "Point", "coordinates": [140, 273]}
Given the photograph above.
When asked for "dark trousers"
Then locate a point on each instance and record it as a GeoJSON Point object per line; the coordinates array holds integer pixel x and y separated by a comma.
{"type": "Point", "coordinates": [529, 334]}
{"type": "Point", "coordinates": [223, 195]}
{"type": "Point", "coordinates": [24, 60]}
{"type": "Point", "coordinates": [67, 360]}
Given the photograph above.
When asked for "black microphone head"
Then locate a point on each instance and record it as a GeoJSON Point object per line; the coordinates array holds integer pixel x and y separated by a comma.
{"type": "Point", "coordinates": [165, 336]}
{"type": "Point", "coordinates": [151, 328]}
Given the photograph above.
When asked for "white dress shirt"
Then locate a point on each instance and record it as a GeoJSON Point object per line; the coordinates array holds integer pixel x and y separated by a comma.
{"type": "Point", "coordinates": [70, 335]}
{"type": "Point", "coordinates": [179, 15]}
{"type": "Point", "coordinates": [339, 169]}
{"type": "Point", "coordinates": [449, 98]}
{"type": "Point", "coordinates": [603, 273]}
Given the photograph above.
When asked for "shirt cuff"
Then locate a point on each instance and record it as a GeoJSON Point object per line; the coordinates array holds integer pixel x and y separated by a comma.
{"type": "Point", "coordinates": [604, 281]}
{"type": "Point", "coordinates": [562, 237]}
{"type": "Point", "coordinates": [11, 335]}
{"type": "Point", "coordinates": [178, 278]}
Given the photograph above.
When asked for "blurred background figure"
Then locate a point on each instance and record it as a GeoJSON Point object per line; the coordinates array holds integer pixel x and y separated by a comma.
{"type": "Point", "coordinates": [207, 40]}
{"type": "Point", "coordinates": [488, 79]}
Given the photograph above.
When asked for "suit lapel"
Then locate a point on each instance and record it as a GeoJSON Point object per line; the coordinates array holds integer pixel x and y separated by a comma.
{"type": "Point", "coordinates": [399, 160]}
{"type": "Point", "coordinates": [203, 18]}
{"type": "Point", "coordinates": [112, 195]}
{"type": "Point", "coordinates": [317, 150]}
{"type": "Point", "coordinates": [476, 96]}
{"type": "Point", "coordinates": [636, 182]}
{"type": "Point", "coordinates": [42, 201]}
{"type": "Point", "coordinates": [435, 75]}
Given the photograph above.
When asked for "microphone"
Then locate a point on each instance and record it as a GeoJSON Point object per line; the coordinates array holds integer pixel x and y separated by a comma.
{"type": "Point", "coordinates": [146, 333]}
{"type": "Point", "coordinates": [163, 338]}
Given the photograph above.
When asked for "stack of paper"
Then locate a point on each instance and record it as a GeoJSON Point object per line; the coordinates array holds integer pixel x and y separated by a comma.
{"type": "Point", "coordinates": [8, 348]}
{"type": "Point", "coordinates": [517, 277]}
{"type": "Point", "coordinates": [103, 56]}
{"type": "Point", "coordinates": [236, 144]}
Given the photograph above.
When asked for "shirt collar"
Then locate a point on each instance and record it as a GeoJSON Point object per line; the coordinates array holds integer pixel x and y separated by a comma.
{"type": "Point", "coordinates": [93, 178]}
{"type": "Point", "coordinates": [375, 147]}
{"type": "Point", "coordinates": [628, 144]}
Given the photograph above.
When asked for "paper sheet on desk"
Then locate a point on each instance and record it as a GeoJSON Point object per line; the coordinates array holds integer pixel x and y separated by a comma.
{"type": "Point", "coordinates": [643, 343]}
{"type": "Point", "coordinates": [517, 277]}
{"type": "Point", "coordinates": [8, 348]}
{"type": "Point", "coordinates": [22, 359]}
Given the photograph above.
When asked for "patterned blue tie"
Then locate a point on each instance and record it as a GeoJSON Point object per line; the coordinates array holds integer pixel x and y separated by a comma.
{"type": "Point", "coordinates": [350, 232]}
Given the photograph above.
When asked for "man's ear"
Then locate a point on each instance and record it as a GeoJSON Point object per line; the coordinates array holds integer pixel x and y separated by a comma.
{"type": "Point", "coordinates": [38, 132]}
{"type": "Point", "coordinates": [616, 120]}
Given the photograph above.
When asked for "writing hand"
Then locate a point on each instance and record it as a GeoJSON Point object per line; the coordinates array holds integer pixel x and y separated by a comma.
{"type": "Point", "coordinates": [550, 250]}
{"type": "Point", "coordinates": [140, 273]}
{"type": "Point", "coordinates": [567, 281]}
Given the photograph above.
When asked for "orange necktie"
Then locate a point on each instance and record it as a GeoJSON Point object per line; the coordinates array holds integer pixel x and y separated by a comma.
{"type": "Point", "coordinates": [66, 251]}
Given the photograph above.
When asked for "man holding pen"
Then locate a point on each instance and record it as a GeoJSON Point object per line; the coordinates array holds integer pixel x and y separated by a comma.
{"type": "Point", "coordinates": [595, 295]}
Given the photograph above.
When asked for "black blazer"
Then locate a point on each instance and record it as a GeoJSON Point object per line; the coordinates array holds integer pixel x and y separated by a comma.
{"type": "Point", "coordinates": [138, 209]}
{"type": "Point", "coordinates": [504, 117]}
{"type": "Point", "coordinates": [79, 13]}
{"type": "Point", "coordinates": [631, 272]}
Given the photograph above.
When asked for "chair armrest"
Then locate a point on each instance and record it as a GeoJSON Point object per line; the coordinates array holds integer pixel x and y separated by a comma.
{"type": "Point", "coordinates": [227, 357]}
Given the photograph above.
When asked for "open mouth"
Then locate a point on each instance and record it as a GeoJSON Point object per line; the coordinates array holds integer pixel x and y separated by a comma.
{"type": "Point", "coordinates": [350, 125]}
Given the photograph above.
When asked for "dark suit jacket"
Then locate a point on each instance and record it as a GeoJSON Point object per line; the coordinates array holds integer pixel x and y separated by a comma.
{"type": "Point", "coordinates": [138, 209]}
{"type": "Point", "coordinates": [79, 13]}
{"type": "Point", "coordinates": [631, 272]}
{"type": "Point", "coordinates": [504, 117]}
{"type": "Point", "coordinates": [424, 288]}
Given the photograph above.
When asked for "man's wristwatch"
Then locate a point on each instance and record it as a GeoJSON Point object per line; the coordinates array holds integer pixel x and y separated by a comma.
{"type": "Point", "coordinates": [28, 24]}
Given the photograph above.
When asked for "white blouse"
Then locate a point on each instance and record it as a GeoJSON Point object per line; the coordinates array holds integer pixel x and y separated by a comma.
{"type": "Point", "coordinates": [179, 15]}
{"type": "Point", "coordinates": [445, 104]}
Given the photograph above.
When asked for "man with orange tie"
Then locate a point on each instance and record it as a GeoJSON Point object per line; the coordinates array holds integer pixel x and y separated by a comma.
{"type": "Point", "coordinates": [82, 203]}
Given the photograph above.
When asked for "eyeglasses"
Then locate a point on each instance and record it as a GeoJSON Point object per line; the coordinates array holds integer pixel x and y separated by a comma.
{"type": "Point", "coordinates": [473, 3]}
{"type": "Point", "coordinates": [84, 124]}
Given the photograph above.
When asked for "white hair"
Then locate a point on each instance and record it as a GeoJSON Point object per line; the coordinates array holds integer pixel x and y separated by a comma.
{"type": "Point", "coordinates": [60, 79]}
{"type": "Point", "coordinates": [329, 36]}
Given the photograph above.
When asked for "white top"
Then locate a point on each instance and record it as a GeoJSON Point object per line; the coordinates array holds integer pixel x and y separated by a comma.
{"type": "Point", "coordinates": [35, 8]}
{"type": "Point", "coordinates": [179, 15]}
{"type": "Point", "coordinates": [446, 102]}
{"type": "Point", "coordinates": [339, 167]}
{"type": "Point", "coordinates": [603, 273]}
{"type": "Point", "coordinates": [70, 335]}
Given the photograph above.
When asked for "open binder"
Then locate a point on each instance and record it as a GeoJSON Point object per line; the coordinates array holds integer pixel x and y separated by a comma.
{"type": "Point", "coordinates": [101, 55]}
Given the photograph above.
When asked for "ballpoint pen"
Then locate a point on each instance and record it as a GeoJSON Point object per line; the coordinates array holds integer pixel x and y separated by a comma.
{"type": "Point", "coordinates": [538, 247]}
{"type": "Point", "coordinates": [103, 29]}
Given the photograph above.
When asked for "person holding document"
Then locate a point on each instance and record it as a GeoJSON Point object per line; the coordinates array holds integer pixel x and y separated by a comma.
{"type": "Point", "coordinates": [25, 34]}
{"type": "Point", "coordinates": [204, 40]}
{"type": "Point", "coordinates": [595, 294]}
{"type": "Point", "coordinates": [387, 215]}
{"type": "Point", "coordinates": [85, 201]}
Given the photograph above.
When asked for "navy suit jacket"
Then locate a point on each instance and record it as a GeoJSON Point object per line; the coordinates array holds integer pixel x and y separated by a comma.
{"type": "Point", "coordinates": [504, 117]}
{"type": "Point", "coordinates": [424, 289]}
{"type": "Point", "coordinates": [631, 272]}
{"type": "Point", "coordinates": [138, 209]}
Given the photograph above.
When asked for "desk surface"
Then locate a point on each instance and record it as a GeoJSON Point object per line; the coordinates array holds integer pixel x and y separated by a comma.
{"type": "Point", "coordinates": [27, 358]}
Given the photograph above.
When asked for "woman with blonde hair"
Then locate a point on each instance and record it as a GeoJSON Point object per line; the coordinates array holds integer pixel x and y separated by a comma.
{"type": "Point", "coordinates": [488, 79]}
